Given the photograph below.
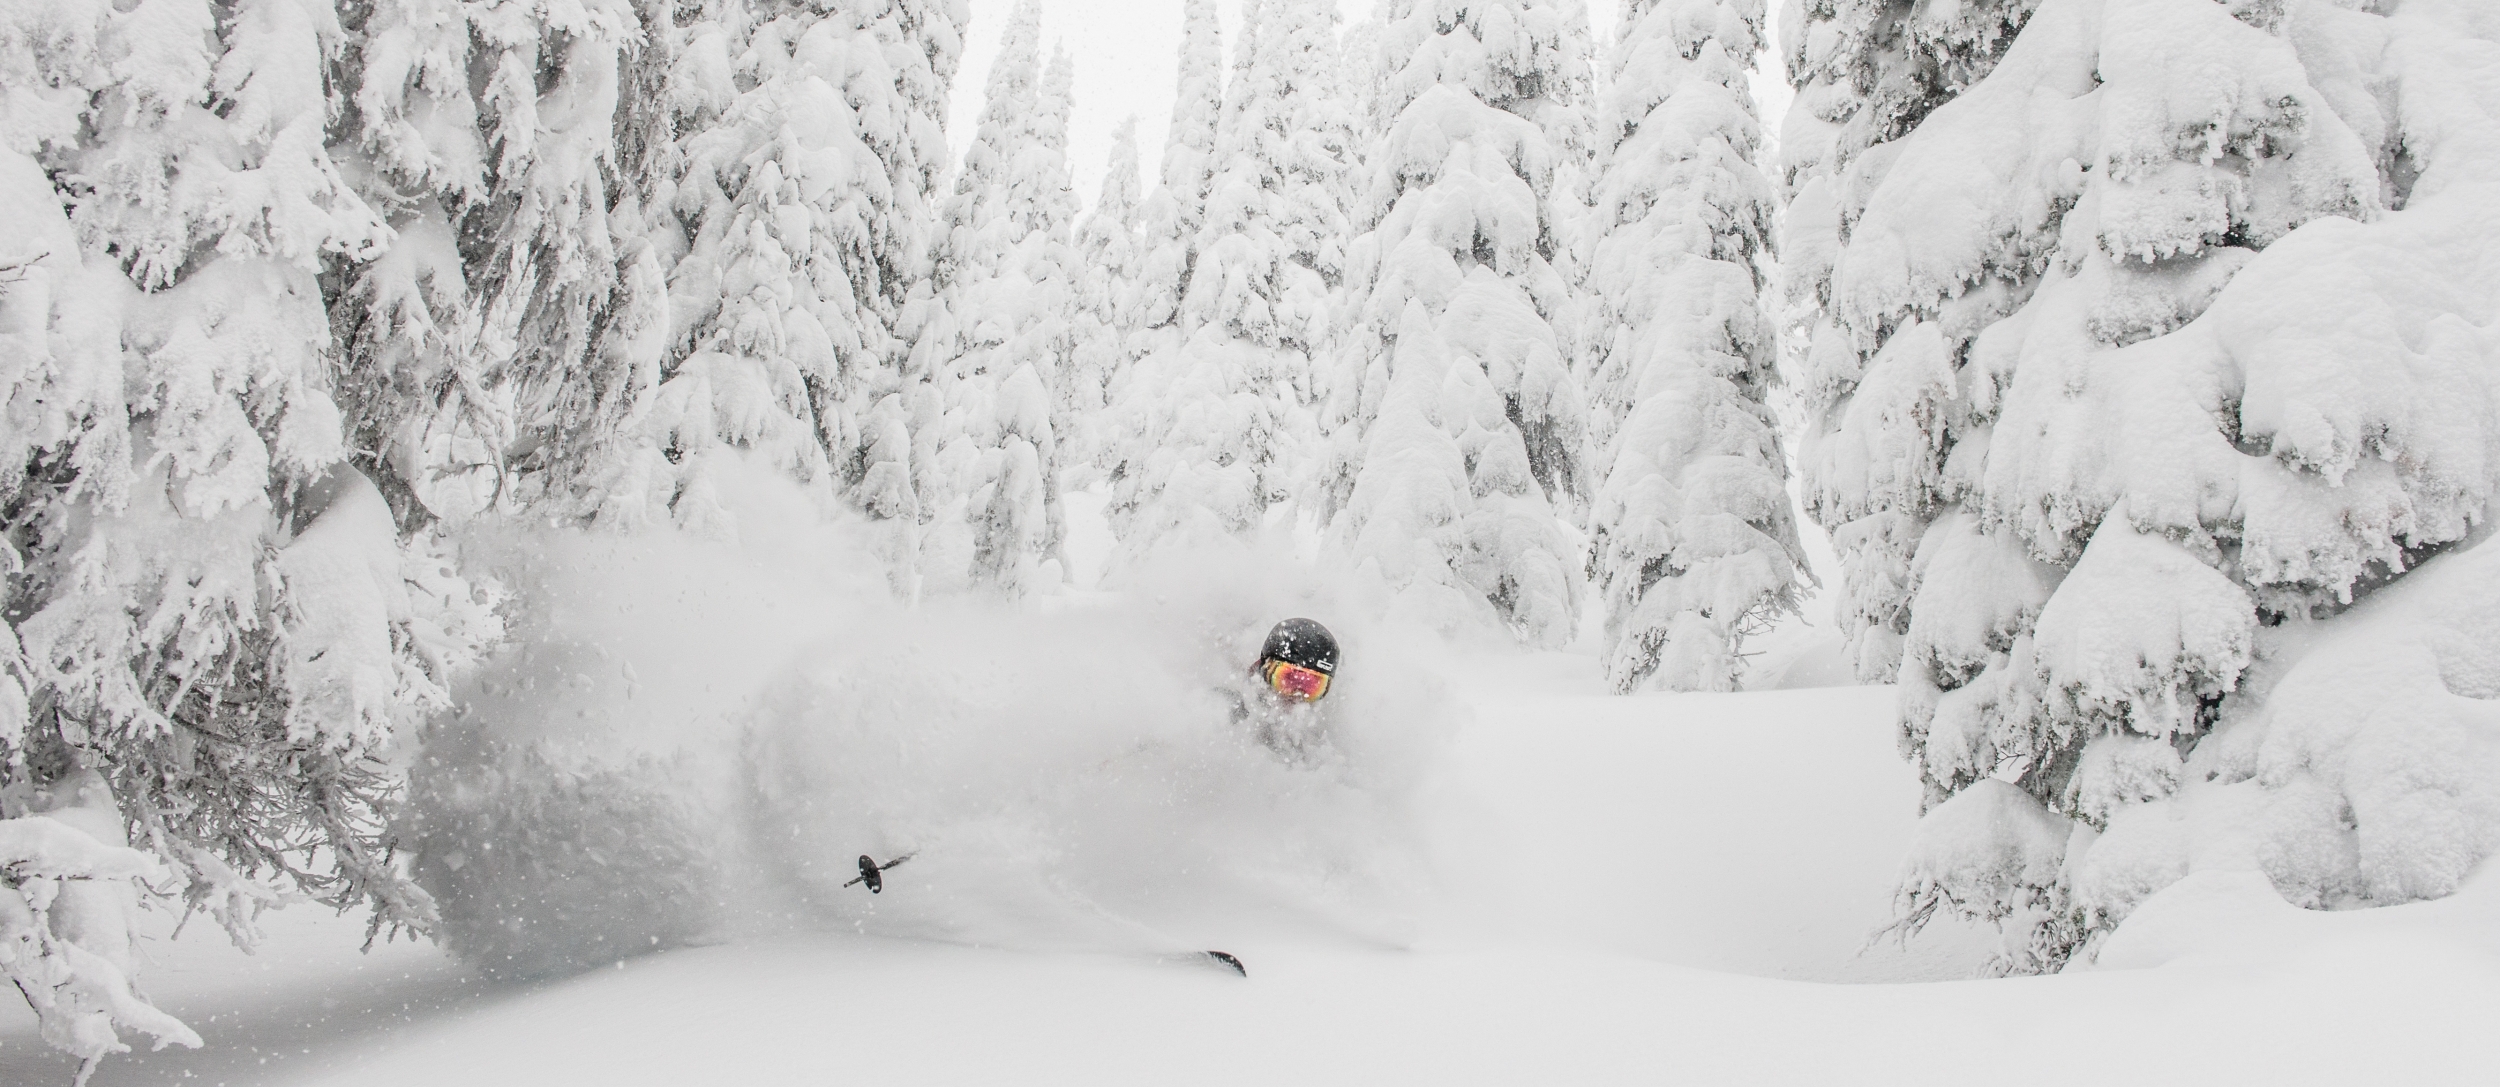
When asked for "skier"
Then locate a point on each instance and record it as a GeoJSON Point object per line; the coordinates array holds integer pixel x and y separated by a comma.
{"type": "Point", "coordinates": [1296, 666]}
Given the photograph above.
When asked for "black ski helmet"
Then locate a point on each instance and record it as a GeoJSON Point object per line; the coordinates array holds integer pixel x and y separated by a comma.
{"type": "Point", "coordinates": [1303, 642]}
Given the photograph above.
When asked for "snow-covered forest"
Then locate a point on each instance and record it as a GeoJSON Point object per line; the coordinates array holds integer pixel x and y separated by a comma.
{"type": "Point", "coordinates": [565, 486]}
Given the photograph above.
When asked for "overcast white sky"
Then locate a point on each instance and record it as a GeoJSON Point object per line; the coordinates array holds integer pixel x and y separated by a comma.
{"type": "Point", "coordinates": [1127, 56]}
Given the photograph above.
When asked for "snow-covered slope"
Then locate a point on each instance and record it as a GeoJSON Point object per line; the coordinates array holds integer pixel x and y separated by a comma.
{"type": "Point", "coordinates": [1628, 889]}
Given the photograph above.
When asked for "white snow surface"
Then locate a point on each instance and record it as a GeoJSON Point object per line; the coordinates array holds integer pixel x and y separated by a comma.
{"type": "Point", "coordinates": [1498, 873]}
{"type": "Point", "coordinates": [1609, 890]}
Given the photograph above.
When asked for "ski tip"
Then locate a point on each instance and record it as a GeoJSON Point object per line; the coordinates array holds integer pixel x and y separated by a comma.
{"type": "Point", "coordinates": [1225, 959]}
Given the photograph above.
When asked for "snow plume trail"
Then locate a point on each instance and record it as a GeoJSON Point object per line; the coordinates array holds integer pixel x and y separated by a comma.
{"type": "Point", "coordinates": [694, 741]}
{"type": "Point", "coordinates": [1069, 777]}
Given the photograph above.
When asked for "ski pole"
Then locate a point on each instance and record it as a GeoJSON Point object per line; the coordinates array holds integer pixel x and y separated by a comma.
{"type": "Point", "coordinates": [873, 874]}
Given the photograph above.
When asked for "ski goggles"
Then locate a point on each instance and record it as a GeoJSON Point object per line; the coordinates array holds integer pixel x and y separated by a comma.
{"type": "Point", "coordinates": [1294, 681]}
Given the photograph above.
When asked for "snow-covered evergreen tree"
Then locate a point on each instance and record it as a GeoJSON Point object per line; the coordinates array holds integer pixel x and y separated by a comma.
{"type": "Point", "coordinates": [1050, 338]}
{"type": "Point", "coordinates": [1868, 73]}
{"type": "Point", "coordinates": [212, 616]}
{"type": "Point", "coordinates": [999, 337]}
{"type": "Point", "coordinates": [543, 253]}
{"type": "Point", "coordinates": [2128, 366]}
{"type": "Point", "coordinates": [826, 122]}
{"type": "Point", "coordinates": [69, 882]}
{"type": "Point", "coordinates": [620, 478]}
{"type": "Point", "coordinates": [1364, 74]}
{"type": "Point", "coordinates": [502, 352]}
{"type": "Point", "coordinates": [1175, 213]}
{"type": "Point", "coordinates": [421, 420]}
{"type": "Point", "coordinates": [1470, 212]}
{"type": "Point", "coordinates": [1692, 542]}
{"type": "Point", "coordinates": [1865, 74]}
{"type": "Point", "coordinates": [769, 323]}
{"type": "Point", "coordinates": [1238, 109]}
{"type": "Point", "coordinates": [923, 44]}
{"type": "Point", "coordinates": [1221, 421]}
{"type": "Point", "coordinates": [1312, 136]}
{"type": "Point", "coordinates": [1109, 255]}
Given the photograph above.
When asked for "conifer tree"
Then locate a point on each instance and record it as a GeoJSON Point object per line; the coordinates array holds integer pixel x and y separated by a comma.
{"type": "Point", "coordinates": [497, 353]}
{"type": "Point", "coordinates": [900, 94]}
{"type": "Point", "coordinates": [1692, 544]}
{"type": "Point", "coordinates": [543, 259]}
{"type": "Point", "coordinates": [1470, 214]}
{"type": "Point", "coordinates": [1363, 76]}
{"type": "Point", "coordinates": [421, 420]}
{"type": "Point", "coordinates": [2098, 426]}
{"type": "Point", "coordinates": [999, 337]}
{"type": "Point", "coordinates": [217, 633]}
{"type": "Point", "coordinates": [1313, 140]}
{"type": "Point", "coordinates": [620, 476]}
{"type": "Point", "coordinates": [1175, 213]}
{"type": "Point", "coordinates": [1225, 419]}
{"type": "Point", "coordinates": [1865, 75]}
{"type": "Point", "coordinates": [770, 327]}
{"type": "Point", "coordinates": [789, 223]}
{"type": "Point", "coordinates": [1109, 255]}
{"type": "Point", "coordinates": [1237, 107]}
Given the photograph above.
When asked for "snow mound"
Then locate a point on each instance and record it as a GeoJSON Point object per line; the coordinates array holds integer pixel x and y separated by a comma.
{"type": "Point", "coordinates": [2233, 919]}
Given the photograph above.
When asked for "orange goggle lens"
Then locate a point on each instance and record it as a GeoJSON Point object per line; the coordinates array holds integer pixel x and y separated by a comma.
{"type": "Point", "coordinates": [1296, 682]}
